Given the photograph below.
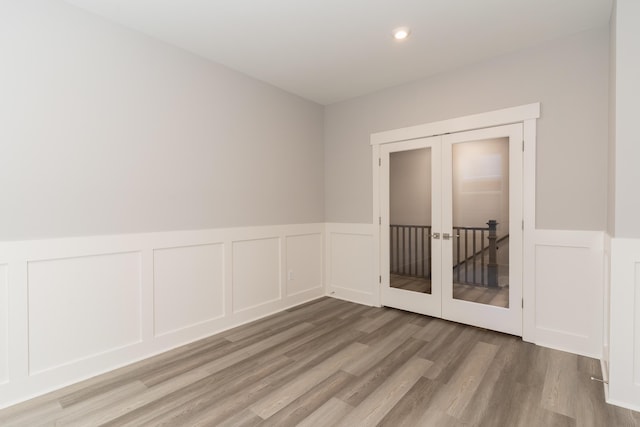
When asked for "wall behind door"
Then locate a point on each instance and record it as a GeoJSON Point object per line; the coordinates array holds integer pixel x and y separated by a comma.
{"type": "Point", "coordinates": [569, 77]}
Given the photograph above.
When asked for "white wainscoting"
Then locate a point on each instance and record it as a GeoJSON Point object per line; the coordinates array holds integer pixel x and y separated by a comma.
{"type": "Point", "coordinates": [304, 264]}
{"type": "Point", "coordinates": [188, 286]}
{"type": "Point", "coordinates": [4, 325]}
{"type": "Point", "coordinates": [77, 307]}
{"type": "Point", "coordinates": [569, 291]}
{"type": "Point", "coordinates": [624, 333]}
{"type": "Point", "coordinates": [351, 267]}
{"type": "Point", "coordinates": [73, 306]}
{"type": "Point", "coordinates": [256, 273]}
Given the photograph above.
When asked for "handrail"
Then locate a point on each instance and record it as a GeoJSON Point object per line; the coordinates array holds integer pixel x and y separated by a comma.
{"type": "Point", "coordinates": [474, 252]}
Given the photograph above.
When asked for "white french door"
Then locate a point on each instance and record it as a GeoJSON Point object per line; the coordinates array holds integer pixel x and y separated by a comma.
{"type": "Point", "coordinates": [451, 222]}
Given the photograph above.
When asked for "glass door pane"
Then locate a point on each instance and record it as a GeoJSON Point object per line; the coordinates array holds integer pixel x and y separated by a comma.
{"type": "Point", "coordinates": [480, 206]}
{"type": "Point", "coordinates": [410, 224]}
{"type": "Point", "coordinates": [482, 235]}
{"type": "Point", "coordinates": [410, 228]}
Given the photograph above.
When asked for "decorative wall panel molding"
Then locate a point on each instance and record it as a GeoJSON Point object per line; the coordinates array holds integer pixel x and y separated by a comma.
{"type": "Point", "coordinates": [569, 290]}
{"type": "Point", "coordinates": [188, 286]}
{"type": "Point", "coordinates": [81, 307]}
{"type": "Point", "coordinates": [303, 272]}
{"type": "Point", "coordinates": [351, 271]}
{"type": "Point", "coordinates": [256, 273]}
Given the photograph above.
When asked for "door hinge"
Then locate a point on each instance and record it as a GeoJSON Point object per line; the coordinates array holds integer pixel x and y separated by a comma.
{"type": "Point", "coordinates": [379, 279]}
{"type": "Point", "coordinates": [523, 145]}
{"type": "Point", "coordinates": [522, 302]}
{"type": "Point", "coordinates": [379, 161]}
{"type": "Point", "coordinates": [379, 220]}
{"type": "Point", "coordinates": [523, 225]}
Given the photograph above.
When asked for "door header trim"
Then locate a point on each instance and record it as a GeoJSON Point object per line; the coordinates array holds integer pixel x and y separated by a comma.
{"type": "Point", "coordinates": [475, 121]}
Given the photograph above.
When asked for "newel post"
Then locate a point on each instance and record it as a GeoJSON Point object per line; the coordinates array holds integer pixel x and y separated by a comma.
{"type": "Point", "coordinates": [492, 267]}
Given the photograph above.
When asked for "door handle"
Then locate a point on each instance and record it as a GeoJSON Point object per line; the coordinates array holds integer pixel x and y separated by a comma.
{"type": "Point", "coordinates": [446, 236]}
{"type": "Point", "coordinates": [436, 235]}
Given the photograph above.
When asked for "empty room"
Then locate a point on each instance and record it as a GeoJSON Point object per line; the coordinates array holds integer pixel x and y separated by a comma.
{"type": "Point", "coordinates": [319, 213]}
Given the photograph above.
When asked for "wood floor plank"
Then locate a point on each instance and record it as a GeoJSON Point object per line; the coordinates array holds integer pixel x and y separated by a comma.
{"type": "Point", "coordinates": [363, 386]}
{"type": "Point", "coordinates": [327, 415]}
{"type": "Point", "coordinates": [236, 402]}
{"type": "Point", "coordinates": [308, 402]}
{"type": "Point", "coordinates": [28, 414]}
{"type": "Point", "coordinates": [383, 317]}
{"type": "Point", "coordinates": [78, 413]}
{"type": "Point", "coordinates": [458, 391]}
{"type": "Point", "coordinates": [494, 390]}
{"type": "Point", "coordinates": [290, 391]}
{"type": "Point", "coordinates": [331, 362]}
{"type": "Point", "coordinates": [374, 408]}
{"type": "Point", "coordinates": [409, 410]}
{"type": "Point", "coordinates": [380, 349]}
{"type": "Point", "coordinates": [560, 384]}
{"type": "Point", "coordinates": [176, 407]}
{"type": "Point", "coordinates": [245, 418]}
{"type": "Point", "coordinates": [102, 383]}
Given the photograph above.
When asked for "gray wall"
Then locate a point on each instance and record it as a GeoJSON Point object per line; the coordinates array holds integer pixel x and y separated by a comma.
{"type": "Point", "coordinates": [569, 77]}
{"type": "Point", "coordinates": [626, 139]}
{"type": "Point", "coordinates": [105, 131]}
{"type": "Point", "coordinates": [611, 155]}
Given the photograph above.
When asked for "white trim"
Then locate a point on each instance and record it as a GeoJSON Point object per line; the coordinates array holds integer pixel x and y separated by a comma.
{"type": "Point", "coordinates": [528, 235]}
{"type": "Point", "coordinates": [377, 262]}
{"type": "Point", "coordinates": [459, 124]}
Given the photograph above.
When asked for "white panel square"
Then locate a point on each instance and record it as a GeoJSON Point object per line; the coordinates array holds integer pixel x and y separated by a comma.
{"type": "Point", "coordinates": [563, 289]}
{"type": "Point", "coordinates": [304, 263]}
{"type": "Point", "coordinates": [188, 286]}
{"type": "Point", "coordinates": [4, 324]}
{"type": "Point", "coordinates": [256, 273]}
{"type": "Point", "coordinates": [79, 307]}
{"type": "Point", "coordinates": [351, 261]}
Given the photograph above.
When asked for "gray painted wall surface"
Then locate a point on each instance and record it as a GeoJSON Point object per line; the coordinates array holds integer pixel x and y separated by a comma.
{"type": "Point", "coordinates": [107, 131]}
{"type": "Point", "coordinates": [626, 138]}
{"type": "Point", "coordinates": [569, 77]}
{"type": "Point", "coordinates": [611, 155]}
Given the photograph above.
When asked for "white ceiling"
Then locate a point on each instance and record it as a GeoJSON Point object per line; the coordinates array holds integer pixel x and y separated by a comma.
{"type": "Point", "coordinates": [332, 50]}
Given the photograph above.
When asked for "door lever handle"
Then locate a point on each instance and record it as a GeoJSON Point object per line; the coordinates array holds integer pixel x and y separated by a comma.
{"type": "Point", "coordinates": [446, 236]}
{"type": "Point", "coordinates": [436, 235]}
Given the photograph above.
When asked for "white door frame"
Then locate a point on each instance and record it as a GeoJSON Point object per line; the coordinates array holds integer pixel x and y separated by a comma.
{"type": "Point", "coordinates": [525, 114]}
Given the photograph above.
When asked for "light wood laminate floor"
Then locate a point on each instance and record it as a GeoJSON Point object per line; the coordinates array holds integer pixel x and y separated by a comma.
{"type": "Point", "coordinates": [335, 363]}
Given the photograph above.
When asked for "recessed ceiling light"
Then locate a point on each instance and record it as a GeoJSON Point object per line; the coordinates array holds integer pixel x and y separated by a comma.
{"type": "Point", "coordinates": [401, 33]}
